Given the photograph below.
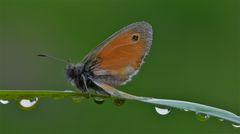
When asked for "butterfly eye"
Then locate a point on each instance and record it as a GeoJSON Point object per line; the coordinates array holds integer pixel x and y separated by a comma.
{"type": "Point", "coordinates": [135, 37]}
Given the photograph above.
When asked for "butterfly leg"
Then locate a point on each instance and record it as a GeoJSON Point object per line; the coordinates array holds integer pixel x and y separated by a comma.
{"type": "Point", "coordinates": [101, 91]}
{"type": "Point", "coordinates": [85, 86]}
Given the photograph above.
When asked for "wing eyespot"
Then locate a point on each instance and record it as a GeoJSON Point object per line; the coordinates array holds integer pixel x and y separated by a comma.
{"type": "Point", "coordinates": [135, 37]}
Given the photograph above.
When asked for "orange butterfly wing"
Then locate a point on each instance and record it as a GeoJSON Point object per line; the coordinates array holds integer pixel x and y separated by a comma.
{"type": "Point", "coordinates": [119, 57]}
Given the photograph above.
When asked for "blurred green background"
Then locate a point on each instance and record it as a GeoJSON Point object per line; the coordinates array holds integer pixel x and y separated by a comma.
{"type": "Point", "coordinates": [194, 57]}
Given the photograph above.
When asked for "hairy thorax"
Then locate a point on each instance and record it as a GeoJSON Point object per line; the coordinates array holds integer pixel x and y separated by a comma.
{"type": "Point", "coordinates": [78, 76]}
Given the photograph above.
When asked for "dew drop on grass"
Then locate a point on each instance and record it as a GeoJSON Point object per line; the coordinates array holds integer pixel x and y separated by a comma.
{"type": "Point", "coordinates": [236, 125]}
{"type": "Point", "coordinates": [98, 100]}
{"type": "Point", "coordinates": [28, 104]}
{"type": "Point", "coordinates": [162, 111]}
{"type": "Point", "coordinates": [221, 119]}
{"type": "Point", "coordinates": [68, 91]}
{"type": "Point", "coordinates": [4, 101]}
{"type": "Point", "coordinates": [185, 110]}
{"type": "Point", "coordinates": [119, 102]}
{"type": "Point", "coordinates": [77, 99]}
{"type": "Point", "coordinates": [202, 117]}
{"type": "Point", "coordinates": [57, 97]}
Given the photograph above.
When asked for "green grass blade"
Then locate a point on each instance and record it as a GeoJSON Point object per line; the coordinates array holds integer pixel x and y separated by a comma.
{"type": "Point", "coordinates": [195, 107]}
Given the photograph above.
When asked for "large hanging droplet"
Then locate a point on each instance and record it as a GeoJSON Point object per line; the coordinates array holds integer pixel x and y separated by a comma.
{"type": "Point", "coordinates": [202, 117]}
{"type": "Point", "coordinates": [4, 101]}
{"type": "Point", "coordinates": [28, 104]}
{"type": "Point", "coordinates": [236, 125]}
{"type": "Point", "coordinates": [162, 111]}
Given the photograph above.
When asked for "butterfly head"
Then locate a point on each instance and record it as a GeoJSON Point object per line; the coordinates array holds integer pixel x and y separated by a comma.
{"type": "Point", "coordinates": [74, 71]}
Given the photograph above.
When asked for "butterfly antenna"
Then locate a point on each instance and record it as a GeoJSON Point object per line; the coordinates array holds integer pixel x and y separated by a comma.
{"type": "Point", "coordinates": [54, 58]}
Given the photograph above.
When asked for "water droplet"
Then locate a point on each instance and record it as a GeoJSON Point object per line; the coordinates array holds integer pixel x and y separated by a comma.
{"type": "Point", "coordinates": [119, 102]}
{"type": "Point", "coordinates": [77, 99]}
{"type": "Point", "coordinates": [28, 104]}
{"type": "Point", "coordinates": [221, 119]}
{"type": "Point", "coordinates": [68, 91]}
{"type": "Point", "coordinates": [236, 125]}
{"type": "Point", "coordinates": [185, 110]}
{"type": "Point", "coordinates": [57, 97]}
{"type": "Point", "coordinates": [98, 100]}
{"type": "Point", "coordinates": [162, 111]}
{"type": "Point", "coordinates": [4, 101]}
{"type": "Point", "coordinates": [202, 117]}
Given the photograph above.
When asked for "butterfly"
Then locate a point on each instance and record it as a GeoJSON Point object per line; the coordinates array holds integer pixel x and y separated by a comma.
{"type": "Point", "coordinates": [114, 61]}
